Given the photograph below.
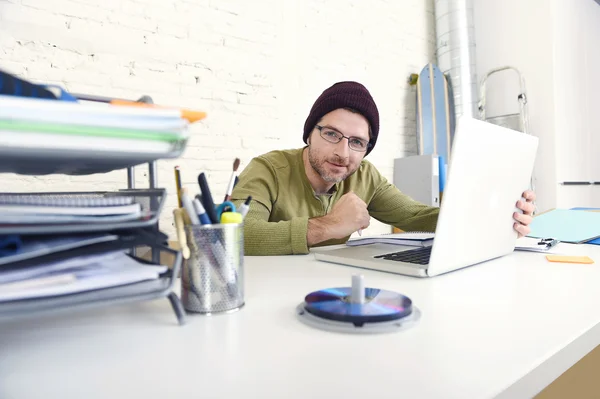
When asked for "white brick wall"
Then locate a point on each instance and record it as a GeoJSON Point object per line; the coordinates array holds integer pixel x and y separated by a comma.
{"type": "Point", "coordinates": [255, 67]}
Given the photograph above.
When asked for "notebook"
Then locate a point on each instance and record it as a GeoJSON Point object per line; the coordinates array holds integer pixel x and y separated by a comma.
{"type": "Point", "coordinates": [62, 200]}
{"type": "Point", "coordinates": [60, 205]}
{"type": "Point", "coordinates": [566, 225]}
{"type": "Point", "coordinates": [19, 219]}
{"type": "Point", "coordinates": [417, 239]}
{"type": "Point", "coordinates": [72, 210]}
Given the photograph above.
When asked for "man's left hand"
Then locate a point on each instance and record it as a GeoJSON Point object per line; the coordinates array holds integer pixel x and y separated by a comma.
{"type": "Point", "coordinates": [524, 219]}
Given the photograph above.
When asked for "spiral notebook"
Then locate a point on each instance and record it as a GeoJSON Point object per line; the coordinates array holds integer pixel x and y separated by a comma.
{"type": "Point", "coordinates": [62, 200]}
{"type": "Point", "coordinates": [22, 205]}
{"type": "Point", "coordinates": [417, 239]}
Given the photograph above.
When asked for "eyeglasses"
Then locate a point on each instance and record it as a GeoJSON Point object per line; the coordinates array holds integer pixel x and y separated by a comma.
{"type": "Point", "coordinates": [333, 136]}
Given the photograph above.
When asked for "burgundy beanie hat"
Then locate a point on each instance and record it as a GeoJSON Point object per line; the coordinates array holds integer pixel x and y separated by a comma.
{"type": "Point", "coordinates": [345, 95]}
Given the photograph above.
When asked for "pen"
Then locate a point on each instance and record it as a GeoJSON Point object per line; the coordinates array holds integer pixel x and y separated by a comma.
{"type": "Point", "coordinates": [189, 208]}
{"type": "Point", "coordinates": [207, 200]}
{"type": "Point", "coordinates": [245, 207]}
{"type": "Point", "coordinates": [178, 185]}
{"type": "Point", "coordinates": [204, 219]}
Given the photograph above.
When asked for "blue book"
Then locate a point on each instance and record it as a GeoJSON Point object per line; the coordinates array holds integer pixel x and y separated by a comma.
{"type": "Point", "coordinates": [567, 225]}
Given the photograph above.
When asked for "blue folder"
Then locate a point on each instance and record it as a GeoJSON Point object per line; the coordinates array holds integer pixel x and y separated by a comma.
{"type": "Point", "coordinates": [597, 240]}
{"type": "Point", "coordinates": [567, 225]}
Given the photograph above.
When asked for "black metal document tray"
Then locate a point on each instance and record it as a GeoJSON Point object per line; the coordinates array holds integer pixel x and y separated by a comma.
{"type": "Point", "coordinates": [151, 201]}
{"type": "Point", "coordinates": [142, 291]}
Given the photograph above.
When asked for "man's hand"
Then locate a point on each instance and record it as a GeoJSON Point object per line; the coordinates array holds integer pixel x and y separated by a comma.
{"type": "Point", "coordinates": [524, 219]}
{"type": "Point", "coordinates": [348, 215]}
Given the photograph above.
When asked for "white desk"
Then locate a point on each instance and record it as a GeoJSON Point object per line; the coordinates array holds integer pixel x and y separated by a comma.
{"type": "Point", "coordinates": [505, 328]}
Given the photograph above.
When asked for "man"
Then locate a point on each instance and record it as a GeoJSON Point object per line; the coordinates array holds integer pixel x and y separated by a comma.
{"type": "Point", "coordinates": [320, 194]}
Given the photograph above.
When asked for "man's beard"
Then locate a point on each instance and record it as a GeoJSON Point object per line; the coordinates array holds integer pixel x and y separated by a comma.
{"type": "Point", "coordinates": [319, 167]}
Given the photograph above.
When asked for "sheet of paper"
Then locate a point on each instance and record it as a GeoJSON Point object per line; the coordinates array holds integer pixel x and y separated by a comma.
{"type": "Point", "coordinates": [532, 245]}
{"type": "Point", "coordinates": [8, 274]}
{"type": "Point", "coordinates": [95, 275]}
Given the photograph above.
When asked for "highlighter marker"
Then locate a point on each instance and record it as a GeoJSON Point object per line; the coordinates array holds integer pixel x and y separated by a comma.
{"type": "Point", "coordinates": [231, 217]}
{"type": "Point", "coordinates": [207, 200]}
{"type": "Point", "coordinates": [245, 207]}
{"type": "Point", "coordinates": [204, 219]}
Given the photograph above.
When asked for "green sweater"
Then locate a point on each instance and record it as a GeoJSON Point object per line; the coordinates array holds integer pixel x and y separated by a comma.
{"type": "Point", "coordinates": [284, 200]}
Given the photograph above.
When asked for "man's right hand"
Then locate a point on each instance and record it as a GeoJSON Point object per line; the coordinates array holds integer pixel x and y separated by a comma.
{"type": "Point", "coordinates": [348, 215]}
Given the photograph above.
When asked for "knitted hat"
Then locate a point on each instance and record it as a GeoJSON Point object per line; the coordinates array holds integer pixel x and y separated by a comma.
{"type": "Point", "coordinates": [345, 95]}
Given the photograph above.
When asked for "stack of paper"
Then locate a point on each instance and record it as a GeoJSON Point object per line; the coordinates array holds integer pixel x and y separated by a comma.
{"type": "Point", "coordinates": [51, 136]}
{"type": "Point", "coordinates": [19, 209]}
{"type": "Point", "coordinates": [74, 275]}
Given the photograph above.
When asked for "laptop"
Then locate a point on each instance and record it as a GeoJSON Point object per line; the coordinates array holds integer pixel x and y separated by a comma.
{"type": "Point", "coordinates": [489, 168]}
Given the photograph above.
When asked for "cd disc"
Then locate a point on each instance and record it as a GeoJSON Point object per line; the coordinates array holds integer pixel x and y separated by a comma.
{"type": "Point", "coordinates": [379, 305]}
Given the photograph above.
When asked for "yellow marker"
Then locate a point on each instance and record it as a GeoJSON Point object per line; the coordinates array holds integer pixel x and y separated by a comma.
{"type": "Point", "coordinates": [231, 217]}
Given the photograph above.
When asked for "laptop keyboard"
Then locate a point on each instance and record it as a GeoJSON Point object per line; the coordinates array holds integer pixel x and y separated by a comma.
{"type": "Point", "coordinates": [420, 256]}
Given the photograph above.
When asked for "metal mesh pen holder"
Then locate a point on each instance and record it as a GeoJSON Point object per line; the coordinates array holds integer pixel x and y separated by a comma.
{"type": "Point", "coordinates": [212, 279]}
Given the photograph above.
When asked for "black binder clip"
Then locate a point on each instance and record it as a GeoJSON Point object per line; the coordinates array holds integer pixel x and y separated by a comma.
{"type": "Point", "coordinates": [548, 242]}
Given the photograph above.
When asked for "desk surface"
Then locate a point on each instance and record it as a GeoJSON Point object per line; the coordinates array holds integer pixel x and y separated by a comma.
{"type": "Point", "coordinates": [503, 328]}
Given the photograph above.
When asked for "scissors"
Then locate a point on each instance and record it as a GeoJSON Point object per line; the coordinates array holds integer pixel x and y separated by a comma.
{"type": "Point", "coordinates": [222, 208]}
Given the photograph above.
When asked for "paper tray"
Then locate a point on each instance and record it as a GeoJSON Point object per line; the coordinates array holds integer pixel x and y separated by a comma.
{"type": "Point", "coordinates": [142, 291]}
{"type": "Point", "coordinates": [28, 161]}
{"type": "Point", "coordinates": [151, 201]}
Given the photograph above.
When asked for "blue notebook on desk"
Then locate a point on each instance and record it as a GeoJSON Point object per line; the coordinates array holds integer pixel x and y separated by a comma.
{"type": "Point", "coordinates": [567, 225]}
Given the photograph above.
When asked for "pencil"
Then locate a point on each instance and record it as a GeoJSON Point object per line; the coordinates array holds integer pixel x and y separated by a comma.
{"type": "Point", "coordinates": [178, 185]}
{"type": "Point", "coordinates": [189, 114]}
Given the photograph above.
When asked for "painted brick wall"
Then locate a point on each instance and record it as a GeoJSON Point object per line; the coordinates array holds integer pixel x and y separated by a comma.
{"type": "Point", "coordinates": [255, 67]}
